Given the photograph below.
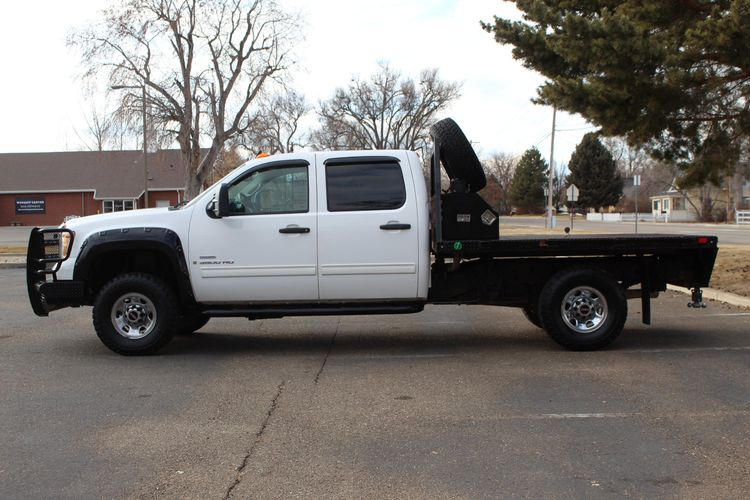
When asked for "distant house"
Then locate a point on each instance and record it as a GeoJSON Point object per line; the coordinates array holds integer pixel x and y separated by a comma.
{"type": "Point", "coordinates": [41, 189]}
{"type": "Point", "coordinates": [686, 205]}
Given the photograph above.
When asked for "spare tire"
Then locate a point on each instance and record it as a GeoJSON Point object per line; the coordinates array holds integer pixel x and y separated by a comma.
{"type": "Point", "coordinates": [457, 156]}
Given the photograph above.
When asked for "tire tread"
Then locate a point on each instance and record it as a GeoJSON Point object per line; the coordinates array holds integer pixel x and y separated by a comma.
{"type": "Point", "coordinates": [167, 314]}
{"type": "Point", "coordinates": [549, 308]}
{"type": "Point", "coordinates": [457, 156]}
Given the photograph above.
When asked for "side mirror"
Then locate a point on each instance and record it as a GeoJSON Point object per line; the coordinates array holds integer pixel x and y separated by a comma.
{"type": "Point", "coordinates": [223, 201]}
{"type": "Point", "coordinates": [218, 208]}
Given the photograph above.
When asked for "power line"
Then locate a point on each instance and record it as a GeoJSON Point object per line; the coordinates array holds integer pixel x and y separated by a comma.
{"type": "Point", "coordinates": [548, 134]}
{"type": "Point", "coordinates": [542, 139]}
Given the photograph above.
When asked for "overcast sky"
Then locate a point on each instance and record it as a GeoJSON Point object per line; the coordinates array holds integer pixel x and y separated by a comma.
{"type": "Point", "coordinates": [44, 104]}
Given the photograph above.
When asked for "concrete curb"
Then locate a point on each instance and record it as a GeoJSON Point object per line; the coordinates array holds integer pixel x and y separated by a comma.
{"type": "Point", "coordinates": [709, 293]}
{"type": "Point", "coordinates": [12, 261]}
{"type": "Point", "coordinates": [12, 265]}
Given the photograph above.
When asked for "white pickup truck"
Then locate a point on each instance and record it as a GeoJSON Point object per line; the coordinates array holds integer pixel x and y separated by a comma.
{"type": "Point", "coordinates": [346, 232]}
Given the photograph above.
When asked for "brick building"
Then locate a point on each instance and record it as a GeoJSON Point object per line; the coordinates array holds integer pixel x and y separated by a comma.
{"type": "Point", "coordinates": [41, 189]}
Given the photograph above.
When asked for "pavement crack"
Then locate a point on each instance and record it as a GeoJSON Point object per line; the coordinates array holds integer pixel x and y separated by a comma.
{"type": "Point", "coordinates": [328, 353]}
{"type": "Point", "coordinates": [258, 436]}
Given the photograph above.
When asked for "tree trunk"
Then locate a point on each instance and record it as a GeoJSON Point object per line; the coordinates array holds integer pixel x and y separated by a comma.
{"type": "Point", "coordinates": [737, 182]}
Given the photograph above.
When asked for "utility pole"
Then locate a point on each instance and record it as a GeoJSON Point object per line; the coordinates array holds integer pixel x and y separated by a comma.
{"type": "Point", "coordinates": [145, 150]}
{"type": "Point", "coordinates": [636, 183]}
{"type": "Point", "coordinates": [548, 222]}
{"type": "Point", "coordinates": [145, 146]}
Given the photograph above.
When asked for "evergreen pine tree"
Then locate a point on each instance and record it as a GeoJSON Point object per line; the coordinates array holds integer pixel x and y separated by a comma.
{"type": "Point", "coordinates": [594, 172]}
{"type": "Point", "coordinates": [674, 76]}
{"type": "Point", "coordinates": [527, 189]}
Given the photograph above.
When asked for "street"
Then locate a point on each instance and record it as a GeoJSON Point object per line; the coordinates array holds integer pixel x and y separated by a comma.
{"type": "Point", "coordinates": [470, 402]}
{"type": "Point", "coordinates": [729, 234]}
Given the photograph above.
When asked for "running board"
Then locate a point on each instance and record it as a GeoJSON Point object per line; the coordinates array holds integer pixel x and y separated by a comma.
{"type": "Point", "coordinates": [279, 311]}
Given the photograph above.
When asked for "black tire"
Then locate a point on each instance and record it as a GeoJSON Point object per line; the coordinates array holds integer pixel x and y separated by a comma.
{"type": "Point", "coordinates": [457, 155]}
{"type": "Point", "coordinates": [583, 309]}
{"type": "Point", "coordinates": [135, 314]}
{"type": "Point", "coordinates": [190, 323]}
{"type": "Point", "coordinates": [532, 314]}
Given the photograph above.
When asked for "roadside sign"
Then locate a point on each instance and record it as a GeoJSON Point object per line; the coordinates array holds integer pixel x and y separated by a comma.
{"type": "Point", "coordinates": [572, 193]}
{"type": "Point", "coordinates": [636, 180]}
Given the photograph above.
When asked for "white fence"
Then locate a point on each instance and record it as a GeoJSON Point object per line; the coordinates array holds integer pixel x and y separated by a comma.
{"type": "Point", "coordinates": [630, 217]}
{"type": "Point", "coordinates": [743, 217]}
{"type": "Point", "coordinates": [618, 217]}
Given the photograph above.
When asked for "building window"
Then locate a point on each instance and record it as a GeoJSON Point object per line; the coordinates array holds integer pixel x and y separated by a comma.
{"type": "Point", "coordinates": [118, 205]}
{"type": "Point", "coordinates": [656, 205]}
{"type": "Point", "coordinates": [678, 204]}
{"type": "Point", "coordinates": [666, 204]}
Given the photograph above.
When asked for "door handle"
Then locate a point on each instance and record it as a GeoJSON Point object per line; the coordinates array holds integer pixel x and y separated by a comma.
{"type": "Point", "coordinates": [391, 226]}
{"type": "Point", "coordinates": [294, 230]}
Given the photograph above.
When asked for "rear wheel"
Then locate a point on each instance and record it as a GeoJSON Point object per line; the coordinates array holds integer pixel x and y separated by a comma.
{"type": "Point", "coordinates": [583, 309]}
{"type": "Point", "coordinates": [135, 313]}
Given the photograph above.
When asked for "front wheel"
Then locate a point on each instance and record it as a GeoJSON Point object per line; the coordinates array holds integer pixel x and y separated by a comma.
{"type": "Point", "coordinates": [532, 315]}
{"type": "Point", "coordinates": [190, 323]}
{"type": "Point", "coordinates": [583, 309]}
{"type": "Point", "coordinates": [135, 313]}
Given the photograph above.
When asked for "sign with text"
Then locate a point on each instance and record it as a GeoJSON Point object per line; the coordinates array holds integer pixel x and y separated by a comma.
{"type": "Point", "coordinates": [30, 206]}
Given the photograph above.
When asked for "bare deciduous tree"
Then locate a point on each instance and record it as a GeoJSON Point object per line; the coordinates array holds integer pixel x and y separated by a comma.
{"type": "Point", "coordinates": [274, 127]}
{"type": "Point", "coordinates": [102, 132]}
{"type": "Point", "coordinates": [500, 167]}
{"type": "Point", "coordinates": [196, 58]}
{"type": "Point", "coordinates": [384, 112]}
{"type": "Point", "coordinates": [630, 160]}
{"type": "Point", "coordinates": [229, 159]}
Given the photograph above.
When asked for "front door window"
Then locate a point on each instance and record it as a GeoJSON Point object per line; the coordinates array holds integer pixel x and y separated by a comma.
{"type": "Point", "coordinates": [279, 190]}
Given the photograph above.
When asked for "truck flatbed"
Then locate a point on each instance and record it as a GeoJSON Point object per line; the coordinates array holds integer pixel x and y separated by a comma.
{"type": "Point", "coordinates": [571, 245]}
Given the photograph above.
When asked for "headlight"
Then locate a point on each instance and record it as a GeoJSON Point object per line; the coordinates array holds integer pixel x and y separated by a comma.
{"type": "Point", "coordinates": [65, 239]}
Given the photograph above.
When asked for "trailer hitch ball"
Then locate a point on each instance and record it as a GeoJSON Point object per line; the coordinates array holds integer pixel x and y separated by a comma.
{"type": "Point", "coordinates": [697, 298]}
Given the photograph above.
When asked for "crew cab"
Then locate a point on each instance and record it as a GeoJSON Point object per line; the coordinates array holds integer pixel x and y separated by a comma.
{"type": "Point", "coordinates": [346, 232]}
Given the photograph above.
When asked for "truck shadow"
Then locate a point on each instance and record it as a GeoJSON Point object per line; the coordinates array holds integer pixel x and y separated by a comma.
{"type": "Point", "coordinates": [528, 340]}
{"type": "Point", "coordinates": [364, 342]}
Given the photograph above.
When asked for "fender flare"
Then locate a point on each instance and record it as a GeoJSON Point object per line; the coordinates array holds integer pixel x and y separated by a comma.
{"type": "Point", "coordinates": [153, 239]}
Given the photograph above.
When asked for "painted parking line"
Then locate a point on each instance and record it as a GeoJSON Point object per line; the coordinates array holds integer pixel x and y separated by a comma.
{"type": "Point", "coordinates": [394, 356]}
{"type": "Point", "coordinates": [740, 412]}
{"type": "Point", "coordinates": [563, 416]}
{"type": "Point", "coordinates": [687, 349]}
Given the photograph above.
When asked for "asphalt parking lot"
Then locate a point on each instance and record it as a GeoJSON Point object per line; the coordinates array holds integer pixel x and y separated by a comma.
{"type": "Point", "coordinates": [455, 402]}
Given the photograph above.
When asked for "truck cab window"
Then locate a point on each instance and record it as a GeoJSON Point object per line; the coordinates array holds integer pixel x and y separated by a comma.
{"type": "Point", "coordinates": [365, 186]}
{"type": "Point", "coordinates": [274, 190]}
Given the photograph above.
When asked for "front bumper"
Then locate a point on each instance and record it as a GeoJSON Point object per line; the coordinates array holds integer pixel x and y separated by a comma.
{"type": "Point", "coordinates": [42, 260]}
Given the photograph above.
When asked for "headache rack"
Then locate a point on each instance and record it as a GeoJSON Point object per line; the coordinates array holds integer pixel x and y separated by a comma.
{"type": "Point", "coordinates": [42, 259]}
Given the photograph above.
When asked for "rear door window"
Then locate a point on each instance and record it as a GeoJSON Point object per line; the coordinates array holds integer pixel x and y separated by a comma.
{"type": "Point", "coordinates": [365, 186]}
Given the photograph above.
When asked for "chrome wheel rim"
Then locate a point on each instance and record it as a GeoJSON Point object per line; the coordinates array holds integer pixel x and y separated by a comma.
{"type": "Point", "coordinates": [133, 316]}
{"type": "Point", "coordinates": [584, 309]}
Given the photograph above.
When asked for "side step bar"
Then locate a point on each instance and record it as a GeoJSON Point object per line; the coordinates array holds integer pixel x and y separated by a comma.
{"type": "Point", "coordinates": [281, 310]}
